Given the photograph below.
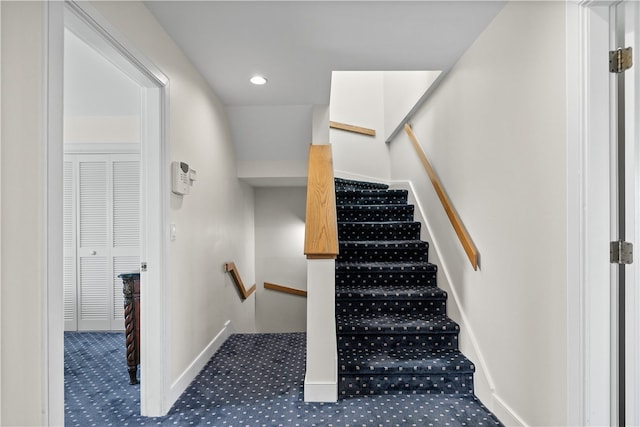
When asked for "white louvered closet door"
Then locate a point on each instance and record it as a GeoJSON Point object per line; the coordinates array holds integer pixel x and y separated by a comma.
{"type": "Point", "coordinates": [107, 238]}
{"type": "Point", "coordinates": [125, 232]}
{"type": "Point", "coordinates": [69, 232]}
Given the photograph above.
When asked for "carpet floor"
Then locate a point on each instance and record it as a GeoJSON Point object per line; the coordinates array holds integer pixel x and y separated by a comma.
{"type": "Point", "coordinates": [253, 380]}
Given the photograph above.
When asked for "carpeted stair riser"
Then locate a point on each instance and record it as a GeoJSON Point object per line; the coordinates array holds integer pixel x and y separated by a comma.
{"type": "Point", "coordinates": [400, 361]}
{"type": "Point", "coordinates": [393, 334]}
{"type": "Point", "coordinates": [376, 278]}
{"type": "Point", "coordinates": [387, 292]}
{"type": "Point", "coordinates": [358, 231]}
{"type": "Point", "coordinates": [353, 385]}
{"type": "Point", "coordinates": [376, 251]}
{"type": "Point", "coordinates": [371, 197]}
{"type": "Point", "coordinates": [375, 213]}
{"type": "Point", "coordinates": [352, 305]}
{"type": "Point", "coordinates": [433, 341]}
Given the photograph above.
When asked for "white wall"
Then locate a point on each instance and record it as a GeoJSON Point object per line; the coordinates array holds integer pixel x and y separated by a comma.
{"type": "Point", "coordinates": [401, 92]}
{"type": "Point", "coordinates": [272, 142]}
{"type": "Point", "coordinates": [215, 223]}
{"type": "Point", "coordinates": [280, 259]}
{"type": "Point", "coordinates": [101, 104]}
{"type": "Point", "coordinates": [21, 213]}
{"type": "Point", "coordinates": [495, 133]}
{"type": "Point", "coordinates": [357, 99]}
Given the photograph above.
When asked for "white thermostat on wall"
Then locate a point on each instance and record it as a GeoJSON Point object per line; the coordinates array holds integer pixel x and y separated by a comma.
{"type": "Point", "coordinates": [182, 177]}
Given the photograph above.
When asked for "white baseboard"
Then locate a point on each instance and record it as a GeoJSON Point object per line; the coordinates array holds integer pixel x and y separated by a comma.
{"type": "Point", "coordinates": [320, 392]}
{"type": "Point", "coordinates": [504, 413]}
{"type": "Point", "coordinates": [189, 374]}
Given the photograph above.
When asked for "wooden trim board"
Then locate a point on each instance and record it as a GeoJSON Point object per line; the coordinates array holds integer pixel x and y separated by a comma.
{"type": "Point", "coordinates": [461, 232]}
{"type": "Point", "coordinates": [230, 267]}
{"type": "Point", "coordinates": [352, 128]}
{"type": "Point", "coordinates": [285, 289]}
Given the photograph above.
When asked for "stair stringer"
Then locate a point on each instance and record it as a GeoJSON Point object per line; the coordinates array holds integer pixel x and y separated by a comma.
{"type": "Point", "coordinates": [469, 345]}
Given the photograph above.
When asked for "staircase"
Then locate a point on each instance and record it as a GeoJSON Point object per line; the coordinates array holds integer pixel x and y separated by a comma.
{"type": "Point", "coordinates": [393, 334]}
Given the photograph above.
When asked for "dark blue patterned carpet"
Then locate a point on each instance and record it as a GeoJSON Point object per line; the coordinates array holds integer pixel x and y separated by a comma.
{"type": "Point", "coordinates": [253, 380]}
{"type": "Point", "coordinates": [393, 333]}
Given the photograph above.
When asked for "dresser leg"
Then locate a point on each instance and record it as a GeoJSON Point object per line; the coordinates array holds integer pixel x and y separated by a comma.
{"type": "Point", "coordinates": [133, 374]}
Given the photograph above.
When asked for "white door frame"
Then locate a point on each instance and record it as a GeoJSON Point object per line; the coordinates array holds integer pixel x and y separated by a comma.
{"type": "Point", "coordinates": [589, 311]}
{"type": "Point", "coordinates": [155, 313]}
{"type": "Point", "coordinates": [592, 397]}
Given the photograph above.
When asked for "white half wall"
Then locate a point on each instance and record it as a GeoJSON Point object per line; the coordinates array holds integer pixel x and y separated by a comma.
{"type": "Point", "coordinates": [321, 376]}
{"type": "Point", "coordinates": [280, 259]}
{"type": "Point", "coordinates": [494, 132]}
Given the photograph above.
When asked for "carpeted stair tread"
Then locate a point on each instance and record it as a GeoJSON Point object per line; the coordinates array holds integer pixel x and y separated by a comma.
{"type": "Point", "coordinates": [388, 292]}
{"type": "Point", "coordinates": [386, 266]}
{"type": "Point", "coordinates": [393, 334]}
{"type": "Point", "coordinates": [369, 322]}
{"type": "Point", "coordinates": [403, 360]}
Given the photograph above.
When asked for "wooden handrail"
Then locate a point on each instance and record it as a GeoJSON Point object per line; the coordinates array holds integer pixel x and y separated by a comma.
{"type": "Point", "coordinates": [463, 236]}
{"type": "Point", "coordinates": [352, 128]}
{"type": "Point", "coordinates": [321, 226]}
{"type": "Point", "coordinates": [230, 267]}
{"type": "Point", "coordinates": [285, 289]}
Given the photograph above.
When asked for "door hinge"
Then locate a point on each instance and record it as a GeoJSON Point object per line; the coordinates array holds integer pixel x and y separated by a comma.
{"type": "Point", "coordinates": [621, 252]}
{"type": "Point", "coordinates": [620, 60]}
{"type": "Point", "coordinates": [143, 266]}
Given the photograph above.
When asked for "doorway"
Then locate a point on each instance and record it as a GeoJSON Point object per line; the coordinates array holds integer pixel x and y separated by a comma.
{"type": "Point", "coordinates": [102, 120]}
{"type": "Point", "coordinates": [94, 30]}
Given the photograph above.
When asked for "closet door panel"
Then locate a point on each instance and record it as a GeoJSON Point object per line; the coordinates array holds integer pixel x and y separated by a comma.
{"type": "Point", "coordinates": [125, 178]}
{"type": "Point", "coordinates": [69, 253]}
{"type": "Point", "coordinates": [93, 244]}
{"type": "Point", "coordinates": [101, 237]}
{"type": "Point", "coordinates": [94, 294]}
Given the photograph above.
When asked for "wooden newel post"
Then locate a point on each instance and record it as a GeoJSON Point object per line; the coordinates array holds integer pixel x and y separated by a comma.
{"type": "Point", "coordinates": [131, 291]}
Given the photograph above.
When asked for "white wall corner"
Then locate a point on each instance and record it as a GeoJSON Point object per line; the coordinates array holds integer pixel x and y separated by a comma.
{"type": "Point", "coordinates": [320, 124]}
{"type": "Point", "coordinates": [189, 374]}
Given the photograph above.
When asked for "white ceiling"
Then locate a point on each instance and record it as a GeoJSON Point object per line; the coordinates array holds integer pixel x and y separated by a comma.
{"type": "Point", "coordinates": [296, 44]}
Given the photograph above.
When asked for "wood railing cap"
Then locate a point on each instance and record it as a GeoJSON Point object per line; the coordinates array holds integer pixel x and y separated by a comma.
{"type": "Point", "coordinates": [230, 267]}
{"type": "Point", "coordinates": [321, 226]}
{"type": "Point", "coordinates": [456, 222]}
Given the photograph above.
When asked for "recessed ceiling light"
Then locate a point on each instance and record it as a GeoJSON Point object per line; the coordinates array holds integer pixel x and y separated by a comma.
{"type": "Point", "coordinates": [258, 80]}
